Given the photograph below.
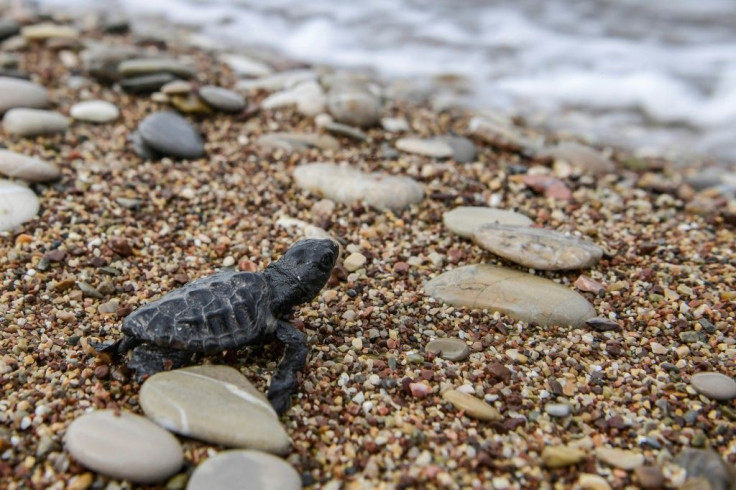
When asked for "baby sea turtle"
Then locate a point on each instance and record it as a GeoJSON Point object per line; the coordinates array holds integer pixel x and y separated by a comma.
{"type": "Point", "coordinates": [229, 310]}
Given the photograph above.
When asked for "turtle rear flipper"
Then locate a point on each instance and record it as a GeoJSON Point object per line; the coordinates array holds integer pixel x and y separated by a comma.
{"type": "Point", "coordinates": [118, 347]}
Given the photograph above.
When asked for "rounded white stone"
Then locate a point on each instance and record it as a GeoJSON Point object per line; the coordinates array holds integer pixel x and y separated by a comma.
{"type": "Point", "coordinates": [34, 122]}
{"type": "Point", "coordinates": [245, 470]}
{"type": "Point", "coordinates": [99, 111]}
{"type": "Point", "coordinates": [18, 204]}
{"type": "Point", "coordinates": [124, 445]}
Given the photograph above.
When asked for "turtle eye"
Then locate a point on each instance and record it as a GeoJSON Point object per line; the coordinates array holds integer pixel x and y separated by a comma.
{"type": "Point", "coordinates": [326, 261]}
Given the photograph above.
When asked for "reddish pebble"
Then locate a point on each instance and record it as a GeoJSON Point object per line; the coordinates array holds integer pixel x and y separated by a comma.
{"type": "Point", "coordinates": [102, 371]}
{"type": "Point", "coordinates": [419, 390]}
{"type": "Point", "coordinates": [401, 267]}
{"type": "Point", "coordinates": [246, 265]}
{"type": "Point", "coordinates": [584, 283]}
{"type": "Point", "coordinates": [121, 246]}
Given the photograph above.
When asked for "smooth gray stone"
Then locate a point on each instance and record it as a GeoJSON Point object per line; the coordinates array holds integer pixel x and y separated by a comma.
{"type": "Point", "coordinates": [464, 220]}
{"type": "Point", "coordinates": [124, 445]}
{"type": "Point", "coordinates": [216, 404]}
{"type": "Point", "coordinates": [222, 99]}
{"type": "Point", "coordinates": [345, 130]}
{"type": "Point", "coordinates": [716, 386]}
{"type": "Point", "coordinates": [27, 168]}
{"type": "Point", "coordinates": [244, 470]}
{"type": "Point", "coordinates": [463, 150]}
{"type": "Point", "coordinates": [708, 464]}
{"type": "Point", "coordinates": [34, 122]}
{"type": "Point", "coordinates": [8, 28]}
{"type": "Point", "coordinates": [451, 349]}
{"type": "Point", "coordinates": [148, 66]}
{"type": "Point", "coordinates": [354, 106]}
{"type": "Point", "coordinates": [431, 147]}
{"type": "Point", "coordinates": [101, 61]}
{"type": "Point", "coordinates": [15, 92]}
{"type": "Point", "coordinates": [537, 248]}
{"type": "Point", "coordinates": [146, 83]}
{"type": "Point", "coordinates": [517, 294]}
{"type": "Point", "coordinates": [18, 204]}
{"type": "Point", "coordinates": [172, 135]}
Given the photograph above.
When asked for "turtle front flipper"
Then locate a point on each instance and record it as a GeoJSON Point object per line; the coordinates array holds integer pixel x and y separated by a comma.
{"type": "Point", "coordinates": [283, 381]}
{"type": "Point", "coordinates": [148, 360]}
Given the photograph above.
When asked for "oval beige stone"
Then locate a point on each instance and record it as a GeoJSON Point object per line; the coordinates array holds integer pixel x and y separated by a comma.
{"type": "Point", "coordinates": [537, 248]}
{"type": "Point", "coordinates": [464, 220]}
{"type": "Point", "coordinates": [619, 458]}
{"type": "Point", "coordinates": [716, 386]}
{"type": "Point", "coordinates": [124, 445]}
{"type": "Point", "coordinates": [34, 122]}
{"type": "Point", "coordinates": [520, 295]}
{"type": "Point", "coordinates": [244, 469]}
{"type": "Point", "coordinates": [216, 404]}
{"type": "Point", "coordinates": [472, 406]}
{"type": "Point", "coordinates": [580, 157]}
{"type": "Point", "coordinates": [348, 185]}
{"type": "Point", "coordinates": [27, 168]}
{"type": "Point", "coordinates": [560, 456]}
{"type": "Point", "coordinates": [21, 93]}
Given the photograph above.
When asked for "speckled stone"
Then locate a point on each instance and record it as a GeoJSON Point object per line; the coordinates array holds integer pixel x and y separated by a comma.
{"type": "Point", "coordinates": [124, 445]}
{"type": "Point", "coordinates": [619, 458]}
{"type": "Point", "coordinates": [451, 349]}
{"type": "Point", "coordinates": [716, 386]}
{"type": "Point", "coordinates": [27, 168]}
{"type": "Point", "coordinates": [18, 204]}
{"type": "Point", "coordinates": [21, 93]}
{"type": "Point", "coordinates": [537, 248]}
{"type": "Point", "coordinates": [581, 157]}
{"type": "Point", "coordinates": [222, 99]}
{"type": "Point", "coordinates": [348, 185]}
{"type": "Point", "coordinates": [472, 406]}
{"type": "Point", "coordinates": [216, 404]}
{"type": "Point", "coordinates": [246, 470]}
{"type": "Point", "coordinates": [520, 295]}
{"type": "Point", "coordinates": [170, 134]}
{"type": "Point", "coordinates": [98, 111]}
{"type": "Point", "coordinates": [34, 122]}
{"type": "Point", "coordinates": [464, 220]}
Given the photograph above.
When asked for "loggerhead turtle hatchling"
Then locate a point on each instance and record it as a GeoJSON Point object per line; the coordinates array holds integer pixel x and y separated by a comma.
{"type": "Point", "coordinates": [229, 310]}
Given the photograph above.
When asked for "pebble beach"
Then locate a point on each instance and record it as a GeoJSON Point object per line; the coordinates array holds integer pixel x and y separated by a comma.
{"type": "Point", "coordinates": [511, 308]}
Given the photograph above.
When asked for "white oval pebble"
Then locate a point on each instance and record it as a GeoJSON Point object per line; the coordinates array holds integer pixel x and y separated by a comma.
{"type": "Point", "coordinates": [244, 470]}
{"type": "Point", "coordinates": [18, 204]}
{"type": "Point", "coordinates": [124, 445]}
{"type": "Point", "coordinates": [99, 111]}
{"type": "Point", "coordinates": [464, 220]}
{"type": "Point", "coordinates": [34, 122]}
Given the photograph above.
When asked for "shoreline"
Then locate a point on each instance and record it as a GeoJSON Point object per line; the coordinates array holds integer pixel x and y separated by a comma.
{"type": "Point", "coordinates": [369, 411]}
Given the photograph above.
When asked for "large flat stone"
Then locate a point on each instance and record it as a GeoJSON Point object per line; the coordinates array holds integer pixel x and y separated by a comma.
{"type": "Point", "coordinates": [27, 168]}
{"type": "Point", "coordinates": [124, 445]}
{"type": "Point", "coordinates": [464, 220]}
{"type": "Point", "coordinates": [537, 248]}
{"type": "Point", "coordinates": [216, 404]}
{"type": "Point", "coordinates": [520, 295]}
{"type": "Point", "coordinates": [348, 185]}
{"type": "Point", "coordinates": [170, 134]}
{"type": "Point", "coordinates": [244, 469]}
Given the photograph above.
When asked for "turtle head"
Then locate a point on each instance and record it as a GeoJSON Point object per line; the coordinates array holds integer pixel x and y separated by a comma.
{"type": "Point", "coordinates": [301, 273]}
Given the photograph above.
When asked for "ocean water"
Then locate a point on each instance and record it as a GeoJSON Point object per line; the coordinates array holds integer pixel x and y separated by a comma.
{"type": "Point", "coordinates": [658, 76]}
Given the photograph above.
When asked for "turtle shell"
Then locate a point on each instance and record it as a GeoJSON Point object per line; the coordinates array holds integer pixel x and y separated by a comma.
{"type": "Point", "coordinates": [226, 310]}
